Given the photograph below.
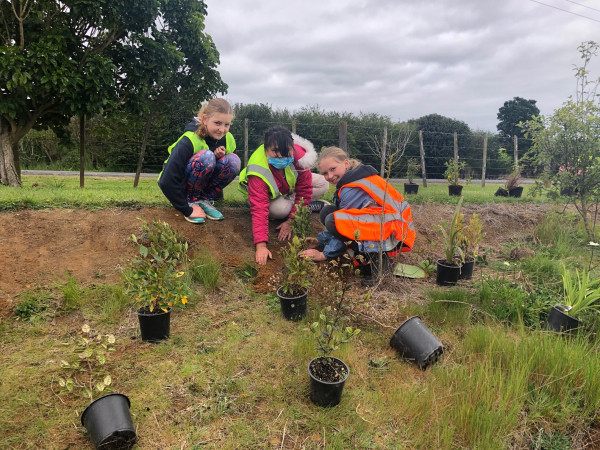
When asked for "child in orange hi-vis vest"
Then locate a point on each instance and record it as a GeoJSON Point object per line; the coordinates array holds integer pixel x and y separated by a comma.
{"type": "Point", "coordinates": [360, 197]}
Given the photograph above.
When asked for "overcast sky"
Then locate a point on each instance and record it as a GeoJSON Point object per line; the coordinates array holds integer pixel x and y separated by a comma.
{"type": "Point", "coordinates": [459, 58]}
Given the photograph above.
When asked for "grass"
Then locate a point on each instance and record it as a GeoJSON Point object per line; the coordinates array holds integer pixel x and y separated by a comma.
{"type": "Point", "coordinates": [40, 192]}
{"type": "Point", "coordinates": [234, 372]}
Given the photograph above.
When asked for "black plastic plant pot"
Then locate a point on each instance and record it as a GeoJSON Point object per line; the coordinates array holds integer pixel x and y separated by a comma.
{"type": "Point", "coordinates": [108, 422]}
{"type": "Point", "coordinates": [454, 190]}
{"type": "Point", "coordinates": [515, 192]}
{"type": "Point", "coordinates": [415, 342]}
{"type": "Point", "coordinates": [293, 307]}
{"type": "Point", "coordinates": [466, 270]}
{"type": "Point", "coordinates": [154, 327]}
{"type": "Point", "coordinates": [327, 393]}
{"type": "Point", "coordinates": [561, 322]}
{"type": "Point", "coordinates": [501, 192]}
{"type": "Point", "coordinates": [447, 274]}
{"type": "Point", "coordinates": [411, 188]}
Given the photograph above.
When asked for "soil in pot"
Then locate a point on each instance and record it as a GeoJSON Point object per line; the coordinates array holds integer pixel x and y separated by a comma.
{"type": "Point", "coordinates": [447, 274]}
{"type": "Point", "coordinates": [411, 188]}
{"type": "Point", "coordinates": [415, 342]}
{"type": "Point", "coordinates": [293, 306]}
{"type": "Point", "coordinates": [154, 326]}
{"type": "Point", "coordinates": [516, 192]}
{"type": "Point", "coordinates": [108, 422]}
{"type": "Point", "coordinates": [327, 378]}
{"type": "Point", "coordinates": [561, 322]}
{"type": "Point", "coordinates": [466, 270]}
{"type": "Point", "coordinates": [455, 190]}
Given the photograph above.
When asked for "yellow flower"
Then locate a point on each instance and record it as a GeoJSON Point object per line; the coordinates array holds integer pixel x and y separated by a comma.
{"type": "Point", "coordinates": [170, 303]}
{"type": "Point", "coordinates": [506, 263]}
{"type": "Point", "coordinates": [184, 300]}
{"type": "Point", "coordinates": [180, 274]}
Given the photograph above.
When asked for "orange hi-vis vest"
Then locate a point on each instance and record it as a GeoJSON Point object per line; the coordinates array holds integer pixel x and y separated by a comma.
{"type": "Point", "coordinates": [365, 224]}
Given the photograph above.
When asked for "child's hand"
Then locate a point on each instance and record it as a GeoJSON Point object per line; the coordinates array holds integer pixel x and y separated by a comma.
{"type": "Point", "coordinates": [285, 230]}
{"type": "Point", "coordinates": [219, 152]}
{"type": "Point", "coordinates": [262, 254]}
{"type": "Point", "coordinates": [313, 254]}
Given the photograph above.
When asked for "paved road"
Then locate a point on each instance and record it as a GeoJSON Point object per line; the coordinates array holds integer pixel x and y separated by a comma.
{"type": "Point", "coordinates": [155, 175]}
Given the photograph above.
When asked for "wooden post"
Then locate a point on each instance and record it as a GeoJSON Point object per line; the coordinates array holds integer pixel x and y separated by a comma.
{"type": "Point", "coordinates": [456, 155]}
{"type": "Point", "coordinates": [383, 148]}
{"type": "Point", "coordinates": [516, 146]}
{"type": "Point", "coordinates": [294, 126]}
{"type": "Point", "coordinates": [343, 136]}
{"type": "Point", "coordinates": [484, 163]}
{"type": "Point", "coordinates": [245, 142]}
{"type": "Point", "coordinates": [82, 150]}
{"type": "Point", "coordinates": [422, 150]}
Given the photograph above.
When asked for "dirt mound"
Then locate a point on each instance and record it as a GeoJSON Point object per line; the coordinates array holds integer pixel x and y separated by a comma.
{"type": "Point", "coordinates": [38, 248]}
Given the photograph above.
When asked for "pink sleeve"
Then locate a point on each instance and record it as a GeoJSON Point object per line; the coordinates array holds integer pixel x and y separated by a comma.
{"type": "Point", "coordinates": [258, 195]}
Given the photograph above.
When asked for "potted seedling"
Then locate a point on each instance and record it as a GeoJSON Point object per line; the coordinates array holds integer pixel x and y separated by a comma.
{"type": "Point", "coordinates": [156, 280]}
{"type": "Point", "coordinates": [448, 269]}
{"type": "Point", "coordinates": [511, 187]}
{"type": "Point", "coordinates": [327, 373]}
{"type": "Point", "coordinates": [107, 418]}
{"type": "Point", "coordinates": [295, 281]}
{"type": "Point", "coordinates": [581, 294]}
{"type": "Point", "coordinates": [469, 238]}
{"type": "Point", "coordinates": [452, 175]}
{"type": "Point", "coordinates": [412, 167]}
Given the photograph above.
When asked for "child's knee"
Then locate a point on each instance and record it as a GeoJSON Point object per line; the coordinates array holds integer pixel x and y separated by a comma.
{"type": "Point", "coordinates": [280, 208]}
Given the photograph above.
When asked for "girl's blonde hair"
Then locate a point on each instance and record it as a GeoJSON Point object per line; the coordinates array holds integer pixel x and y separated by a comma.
{"type": "Point", "coordinates": [339, 155]}
{"type": "Point", "coordinates": [214, 106]}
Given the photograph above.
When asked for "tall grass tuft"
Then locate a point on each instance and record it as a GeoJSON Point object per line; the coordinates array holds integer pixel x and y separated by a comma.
{"type": "Point", "coordinates": [205, 269]}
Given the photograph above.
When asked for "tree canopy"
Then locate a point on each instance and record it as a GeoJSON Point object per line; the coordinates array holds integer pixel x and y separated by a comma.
{"type": "Point", "coordinates": [60, 59]}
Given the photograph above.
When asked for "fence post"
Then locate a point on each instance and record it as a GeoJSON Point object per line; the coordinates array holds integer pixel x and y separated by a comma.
{"type": "Point", "coordinates": [294, 126]}
{"type": "Point", "coordinates": [456, 155]}
{"type": "Point", "coordinates": [245, 142]}
{"type": "Point", "coordinates": [383, 147]}
{"type": "Point", "coordinates": [484, 163]}
{"type": "Point", "coordinates": [516, 146]}
{"type": "Point", "coordinates": [343, 136]}
{"type": "Point", "coordinates": [422, 150]}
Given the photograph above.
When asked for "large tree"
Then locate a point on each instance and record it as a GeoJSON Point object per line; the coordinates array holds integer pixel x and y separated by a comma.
{"type": "Point", "coordinates": [438, 141]}
{"type": "Point", "coordinates": [510, 115]}
{"type": "Point", "coordinates": [78, 57]}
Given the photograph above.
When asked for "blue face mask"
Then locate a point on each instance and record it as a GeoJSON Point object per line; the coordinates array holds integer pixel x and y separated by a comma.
{"type": "Point", "coordinates": [281, 163]}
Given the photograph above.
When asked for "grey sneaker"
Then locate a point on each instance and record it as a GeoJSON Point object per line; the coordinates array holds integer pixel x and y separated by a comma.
{"type": "Point", "coordinates": [211, 212]}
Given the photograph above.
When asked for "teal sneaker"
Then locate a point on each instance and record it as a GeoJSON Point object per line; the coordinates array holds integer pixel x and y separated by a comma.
{"type": "Point", "coordinates": [194, 219]}
{"type": "Point", "coordinates": [211, 212]}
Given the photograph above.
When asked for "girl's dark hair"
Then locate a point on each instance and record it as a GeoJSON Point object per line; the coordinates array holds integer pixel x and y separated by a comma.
{"type": "Point", "coordinates": [279, 139]}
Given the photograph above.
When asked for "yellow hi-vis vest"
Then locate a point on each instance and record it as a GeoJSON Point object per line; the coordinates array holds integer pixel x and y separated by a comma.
{"type": "Point", "coordinates": [258, 165]}
{"type": "Point", "coordinates": [200, 144]}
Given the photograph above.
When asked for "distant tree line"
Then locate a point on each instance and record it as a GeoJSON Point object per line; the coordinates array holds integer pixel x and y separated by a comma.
{"type": "Point", "coordinates": [113, 142]}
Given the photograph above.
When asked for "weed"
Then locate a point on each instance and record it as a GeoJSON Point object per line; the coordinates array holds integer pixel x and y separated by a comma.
{"type": "Point", "coordinates": [205, 269]}
{"type": "Point", "coordinates": [247, 272]}
{"type": "Point", "coordinates": [33, 304]}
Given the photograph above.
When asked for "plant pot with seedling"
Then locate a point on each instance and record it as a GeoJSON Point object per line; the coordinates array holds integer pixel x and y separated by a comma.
{"type": "Point", "coordinates": [156, 280]}
{"type": "Point", "coordinates": [327, 373]}
{"type": "Point", "coordinates": [448, 268]}
{"type": "Point", "coordinates": [297, 273]}
{"type": "Point", "coordinates": [412, 167]}
{"type": "Point", "coordinates": [469, 237]}
{"type": "Point", "coordinates": [452, 175]}
{"type": "Point", "coordinates": [580, 295]}
{"type": "Point", "coordinates": [107, 418]}
{"type": "Point", "coordinates": [512, 183]}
